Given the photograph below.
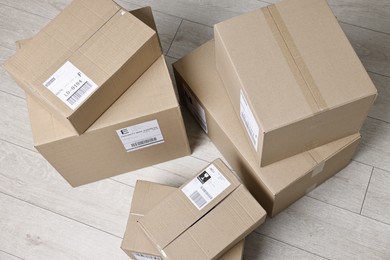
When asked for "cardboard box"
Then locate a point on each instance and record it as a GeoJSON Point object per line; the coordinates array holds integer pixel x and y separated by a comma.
{"type": "Point", "coordinates": [293, 78]}
{"type": "Point", "coordinates": [135, 243]}
{"type": "Point", "coordinates": [204, 218]}
{"type": "Point", "coordinates": [143, 127]}
{"type": "Point", "coordinates": [83, 60]}
{"type": "Point", "coordinates": [275, 186]}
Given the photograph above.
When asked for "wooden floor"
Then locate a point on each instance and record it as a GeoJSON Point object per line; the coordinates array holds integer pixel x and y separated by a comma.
{"type": "Point", "coordinates": [42, 217]}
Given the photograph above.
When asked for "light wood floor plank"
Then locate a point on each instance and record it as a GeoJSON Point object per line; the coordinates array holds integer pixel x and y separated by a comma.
{"type": "Point", "coordinates": [34, 233]}
{"type": "Point", "coordinates": [26, 175]}
{"type": "Point", "coordinates": [377, 202]}
{"type": "Point", "coordinates": [8, 85]}
{"type": "Point", "coordinates": [381, 107]}
{"type": "Point", "coordinates": [346, 189]}
{"type": "Point", "coordinates": [14, 121]}
{"type": "Point", "coordinates": [258, 246]}
{"type": "Point", "coordinates": [6, 256]}
{"type": "Point", "coordinates": [369, 14]}
{"type": "Point", "coordinates": [204, 12]}
{"type": "Point", "coordinates": [47, 9]}
{"type": "Point", "coordinates": [329, 231]}
{"type": "Point", "coordinates": [373, 48]}
{"type": "Point", "coordinates": [190, 36]}
{"type": "Point", "coordinates": [374, 148]}
{"type": "Point", "coordinates": [16, 24]}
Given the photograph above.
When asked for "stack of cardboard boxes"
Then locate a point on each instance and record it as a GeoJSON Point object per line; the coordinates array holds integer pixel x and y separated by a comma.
{"type": "Point", "coordinates": [283, 96]}
{"type": "Point", "coordinates": [279, 91]}
{"type": "Point", "coordinates": [100, 98]}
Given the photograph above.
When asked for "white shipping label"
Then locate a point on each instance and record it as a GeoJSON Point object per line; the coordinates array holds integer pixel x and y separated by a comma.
{"type": "Point", "coordinates": [141, 256]}
{"type": "Point", "coordinates": [140, 136]}
{"type": "Point", "coordinates": [195, 108]}
{"type": "Point", "coordinates": [70, 85]}
{"type": "Point", "coordinates": [205, 187]}
{"type": "Point", "coordinates": [249, 120]}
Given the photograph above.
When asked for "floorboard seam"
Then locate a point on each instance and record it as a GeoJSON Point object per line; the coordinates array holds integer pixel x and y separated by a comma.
{"type": "Point", "coordinates": [11, 254]}
{"type": "Point", "coordinates": [174, 37]}
{"type": "Point", "coordinates": [365, 194]}
{"type": "Point", "coordinates": [22, 10]}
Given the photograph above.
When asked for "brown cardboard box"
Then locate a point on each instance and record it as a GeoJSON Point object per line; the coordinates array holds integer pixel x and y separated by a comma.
{"type": "Point", "coordinates": [135, 243]}
{"type": "Point", "coordinates": [84, 59]}
{"type": "Point", "coordinates": [204, 218]}
{"type": "Point", "coordinates": [275, 186]}
{"type": "Point", "coordinates": [292, 77]}
{"type": "Point", "coordinates": [143, 127]}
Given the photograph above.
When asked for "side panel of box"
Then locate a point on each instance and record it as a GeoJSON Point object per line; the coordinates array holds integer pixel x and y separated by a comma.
{"type": "Point", "coordinates": [314, 178]}
{"type": "Point", "coordinates": [288, 140]}
{"type": "Point", "coordinates": [234, 158]}
{"type": "Point", "coordinates": [233, 85]}
{"type": "Point", "coordinates": [100, 154]}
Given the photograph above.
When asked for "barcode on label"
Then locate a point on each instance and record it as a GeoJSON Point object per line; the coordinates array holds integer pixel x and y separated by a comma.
{"type": "Point", "coordinates": [206, 192]}
{"type": "Point", "coordinates": [79, 93]}
{"type": "Point", "coordinates": [198, 199]}
{"type": "Point", "coordinates": [141, 256]}
{"type": "Point", "coordinates": [249, 128]}
{"type": "Point", "coordinates": [144, 142]}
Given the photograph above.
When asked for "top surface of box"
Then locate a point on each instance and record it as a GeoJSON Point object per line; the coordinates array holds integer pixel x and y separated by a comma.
{"type": "Point", "coordinates": [145, 197]}
{"type": "Point", "coordinates": [292, 77]}
{"type": "Point", "coordinates": [207, 215]}
{"type": "Point", "coordinates": [151, 93]}
{"type": "Point", "coordinates": [81, 49]}
{"type": "Point", "coordinates": [277, 176]}
{"type": "Point", "coordinates": [302, 58]}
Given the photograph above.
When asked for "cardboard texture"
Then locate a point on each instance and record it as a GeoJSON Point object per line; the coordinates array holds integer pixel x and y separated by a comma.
{"type": "Point", "coordinates": [135, 243]}
{"type": "Point", "coordinates": [293, 78]}
{"type": "Point", "coordinates": [204, 218]}
{"type": "Point", "coordinates": [275, 186]}
{"type": "Point", "coordinates": [83, 60]}
{"type": "Point", "coordinates": [143, 127]}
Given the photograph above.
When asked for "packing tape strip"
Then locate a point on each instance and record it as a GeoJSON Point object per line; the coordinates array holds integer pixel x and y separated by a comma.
{"type": "Point", "coordinates": [294, 59]}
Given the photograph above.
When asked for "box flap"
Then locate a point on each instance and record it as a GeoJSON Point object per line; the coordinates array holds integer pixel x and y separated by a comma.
{"type": "Point", "coordinates": [273, 177]}
{"type": "Point", "coordinates": [182, 209]}
{"type": "Point", "coordinates": [234, 217]}
{"type": "Point", "coordinates": [145, 14]}
{"type": "Point", "coordinates": [146, 196]}
{"type": "Point", "coordinates": [288, 68]}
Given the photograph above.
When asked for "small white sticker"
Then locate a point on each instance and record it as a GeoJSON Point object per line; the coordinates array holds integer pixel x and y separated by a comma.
{"type": "Point", "coordinates": [70, 85]}
{"type": "Point", "coordinates": [195, 108]}
{"type": "Point", "coordinates": [318, 169]}
{"type": "Point", "coordinates": [141, 256]}
{"type": "Point", "coordinates": [140, 136]}
{"type": "Point", "coordinates": [205, 187]}
{"type": "Point", "coordinates": [249, 120]}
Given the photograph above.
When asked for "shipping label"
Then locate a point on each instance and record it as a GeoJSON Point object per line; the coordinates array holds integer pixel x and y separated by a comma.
{"type": "Point", "coordinates": [70, 85]}
{"type": "Point", "coordinates": [195, 108]}
{"type": "Point", "coordinates": [247, 117]}
{"type": "Point", "coordinates": [140, 136]}
{"type": "Point", "coordinates": [205, 187]}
